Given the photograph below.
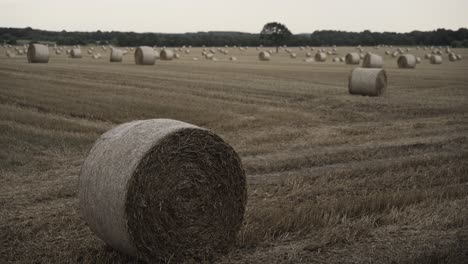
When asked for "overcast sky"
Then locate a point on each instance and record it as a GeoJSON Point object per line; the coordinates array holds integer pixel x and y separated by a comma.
{"type": "Point", "coordinates": [180, 16]}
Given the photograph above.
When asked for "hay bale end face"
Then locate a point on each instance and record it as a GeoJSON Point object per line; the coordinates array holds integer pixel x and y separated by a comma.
{"type": "Point", "coordinates": [407, 61]}
{"type": "Point", "coordinates": [163, 189]}
{"type": "Point", "coordinates": [372, 60]}
{"type": "Point", "coordinates": [370, 82]}
{"type": "Point", "coordinates": [38, 53]}
{"type": "Point", "coordinates": [116, 55]}
{"type": "Point", "coordinates": [144, 56]}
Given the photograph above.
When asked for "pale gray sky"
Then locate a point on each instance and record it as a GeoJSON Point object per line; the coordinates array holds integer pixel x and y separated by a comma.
{"type": "Point", "coordinates": [234, 15]}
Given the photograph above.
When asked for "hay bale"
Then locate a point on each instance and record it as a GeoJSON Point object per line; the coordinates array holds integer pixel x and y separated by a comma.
{"type": "Point", "coordinates": [293, 55]}
{"type": "Point", "coordinates": [209, 56]}
{"type": "Point", "coordinates": [145, 55]}
{"type": "Point", "coordinates": [436, 59]}
{"type": "Point", "coordinates": [372, 60]}
{"type": "Point", "coordinates": [187, 51]}
{"type": "Point", "coordinates": [336, 59]}
{"type": "Point", "coordinates": [459, 57]}
{"type": "Point", "coordinates": [233, 58]}
{"type": "Point", "coordinates": [418, 60]}
{"type": "Point", "coordinates": [353, 58]}
{"type": "Point", "coordinates": [388, 52]}
{"type": "Point", "coordinates": [395, 54]}
{"type": "Point", "coordinates": [452, 57]}
{"type": "Point", "coordinates": [166, 54]}
{"type": "Point", "coordinates": [97, 56]}
{"type": "Point", "coordinates": [38, 53]}
{"type": "Point", "coordinates": [176, 56]}
{"type": "Point", "coordinates": [308, 55]}
{"type": "Point", "coordinates": [163, 189]}
{"type": "Point", "coordinates": [75, 53]}
{"type": "Point", "coordinates": [428, 56]}
{"type": "Point", "coordinates": [264, 56]}
{"type": "Point", "coordinates": [320, 56]}
{"type": "Point", "coordinates": [342, 59]}
{"type": "Point", "coordinates": [116, 55]}
{"type": "Point", "coordinates": [371, 82]}
{"type": "Point", "coordinates": [407, 61]}
{"type": "Point", "coordinates": [58, 52]}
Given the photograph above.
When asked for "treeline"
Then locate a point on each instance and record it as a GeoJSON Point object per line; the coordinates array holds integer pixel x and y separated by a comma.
{"type": "Point", "coordinates": [438, 37]}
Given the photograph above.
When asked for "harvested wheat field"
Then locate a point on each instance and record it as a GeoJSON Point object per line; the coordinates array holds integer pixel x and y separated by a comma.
{"type": "Point", "coordinates": [331, 177]}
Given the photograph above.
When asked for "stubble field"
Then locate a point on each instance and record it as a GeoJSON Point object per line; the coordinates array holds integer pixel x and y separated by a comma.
{"type": "Point", "coordinates": [332, 178]}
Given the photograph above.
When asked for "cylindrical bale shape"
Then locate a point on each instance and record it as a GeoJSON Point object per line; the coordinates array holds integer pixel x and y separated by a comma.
{"type": "Point", "coordinates": [407, 61]}
{"type": "Point", "coordinates": [38, 53]}
{"type": "Point", "coordinates": [166, 54]}
{"type": "Point", "coordinates": [116, 55]}
{"type": "Point", "coordinates": [353, 58]}
{"type": "Point", "coordinates": [264, 56]}
{"type": "Point", "coordinates": [452, 57]}
{"type": "Point", "coordinates": [163, 189]}
{"type": "Point", "coordinates": [75, 53]}
{"type": "Point", "coordinates": [371, 82]}
{"type": "Point", "coordinates": [372, 60]}
{"type": "Point", "coordinates": [293, 55]}
{"type": "Point", "coordinates": [144, 55]}
{"type": "Point", "coordinates": [418, 60]}
{"type": "Point", "coordinates": [320, 56]}
{"type": "Point", "coordinates": [436, 59]}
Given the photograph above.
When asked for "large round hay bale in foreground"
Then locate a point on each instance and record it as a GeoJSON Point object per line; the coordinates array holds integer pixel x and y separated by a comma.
{"type": "Point", "coordinates": [320, 56]}
{"type": "Point", "coordinates": [144, 55]}
{"type": "Point", "coordinates": [370, 82]}
{"type": "Point", "coordinates": [353, 58]}
{"type": "Point", "coordinates": [167, 54]}
{"type": "Point", "coordinates": [75, 53]}
{"type": "Point", "coordinates": [38, 53]}
{"type": "Point", "coordinates": [372, 60]}
{"type": "Point", "coordinates": [264, 56]}
{"type": "Point", "coordinates": [163, 189]}
{"type": "Point", "coordinates": [436, 59]}
{"type": "Point", "coordinates": [407, 61]}
{"type": "Point", "coordinates": [116, 55]}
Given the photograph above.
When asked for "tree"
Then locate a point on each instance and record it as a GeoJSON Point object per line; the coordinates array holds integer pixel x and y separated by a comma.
{"type": "Point", "coordinates": [275, 32]}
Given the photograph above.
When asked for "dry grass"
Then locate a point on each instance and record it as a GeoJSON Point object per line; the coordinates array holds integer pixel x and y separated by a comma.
{"type": "Point", "coordinates": [332, 178]}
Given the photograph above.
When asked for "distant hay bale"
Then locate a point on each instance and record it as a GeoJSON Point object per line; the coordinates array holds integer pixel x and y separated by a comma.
{"type": "Point", "coordinates": [342, 59]}
{"type": "Point", "coordinates": [264, 56]}
{"type": "Point", "coordinates": [372, 60]}
{"type": "Point", "coordinates": [166, 54]}
{"type": "Point", "coordinates": [145, 55]}
{"type": "Point", "coordinates": [388, 52]}
{"type": "Point", "coordinates": [370, 82]}
{"type": "Point", "coordinates": [293, 55]}
{"type": "Point", "coordinates": [38, 53]}
{"type": "Point", "coordinates": [209, 56]}
{"type": "Point", "coordinates": [116, 55]}
{"type": "Point", "coordinates": [75, 53]}
{"type": "Point", "coordinates": [187, 51]}
{"type": "Point", "coordinates": [452, 57]}
{"type": "Point", "coordinates": [436, 59]}
{"type": "Point", "coordinates": [428, 56]}
{"type": "Point", "coordinates": [407, 61]}
{"type": "Point", "coordinates": [176, 56]}
{"type": "Point", "coordinates": [361, 56]}
{"type": "Point", "coordinates": [97, 56]}
{"type": "Point", "coordinates": [395, 54]}
{"type": "Point", "coordinates": [163, 189]}
{"type": "Point", "coordinates": [336, 59]}
{"type": "Point", "coordinates": [418, 60]}
{"type": "Point", "coordinates": [90, 51]}
{"type": "Point", "coordinates": [320, 56]}
{"type": "Point", "coordinates": [195, 59]}
{"type": "Point", "coordinates": [233, 58]}
{"type": "Point", "coordinates": [308, 55]}
{"type": "Point", "coordinates": [58, 52]}
{"type": "Point", "coordinates": [353, 58]}
{"type": "Point", "coordinates": [308, 60]}
{"type": "Point", "coordinates": [459, 57]}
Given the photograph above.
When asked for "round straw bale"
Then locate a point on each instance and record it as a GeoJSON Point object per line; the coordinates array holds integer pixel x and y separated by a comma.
{"type": "Point", "coordinates": [176, 56]}
{"type": "Point", "coordinates": [459, 57]}
{"type": "Point", "coordinates": [342, 59]}
{"type": "Point", "coordinates": [407, 61]}
{"type": "Point", "coordinates": [264, 56]}
{"type": "Point", "coordinates": [195, 59]}
{"type": "Point", "coordinates": [58, 52]}
{"type": "Point", "coordinates": [320, 56]}
{"type": "Point", "coordinates": [145, 55]}
{"type": "Point", "coordinates": [209, 56]}
{"type": "Point", "coordinates": [388, 52]}
{"type": "Point", "coordinates": [436, 59]}
{"type": "Point", "coordinates": [452, 57]}
{"type": "Point", "coordinates": [38, 53]}
{"type": "Point", "coordinates": [371, 82]}
{"type": "Point", "coordinates": [75, 53]}
{"type": "Point", "coordinates": [372, 60]}
{"type": "Point", "coordinates": [308, 55]}
{"type": "Point", "coordinates": [187, 51]}
{"type": "Point", "coordinates": [116, 55]}
{"type": "Point", "coordinates": [353, 58]}
{"type": "Point", "coordinates": [336, 59]}
{"type": "Point", "coordinates": [163, 189]}
{"type": "Point", "coordinates": [167, 54]}
{"type": "Point", "coordinates": [395, 54]}
{"type": "Point", "coordinates": [418, 60]}
{"type": "Point", "coordinates": [428, 56]}
{"type": "Point", "coordinates": [233, 58]}
{"type": "Point", "coordinates": [293, 55]}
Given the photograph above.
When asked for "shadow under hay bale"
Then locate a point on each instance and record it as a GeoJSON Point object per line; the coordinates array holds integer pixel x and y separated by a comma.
{"type": "Point", "coordinates": [370, 82]}
{"type": "Point", "coordinates": [163, 189]}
